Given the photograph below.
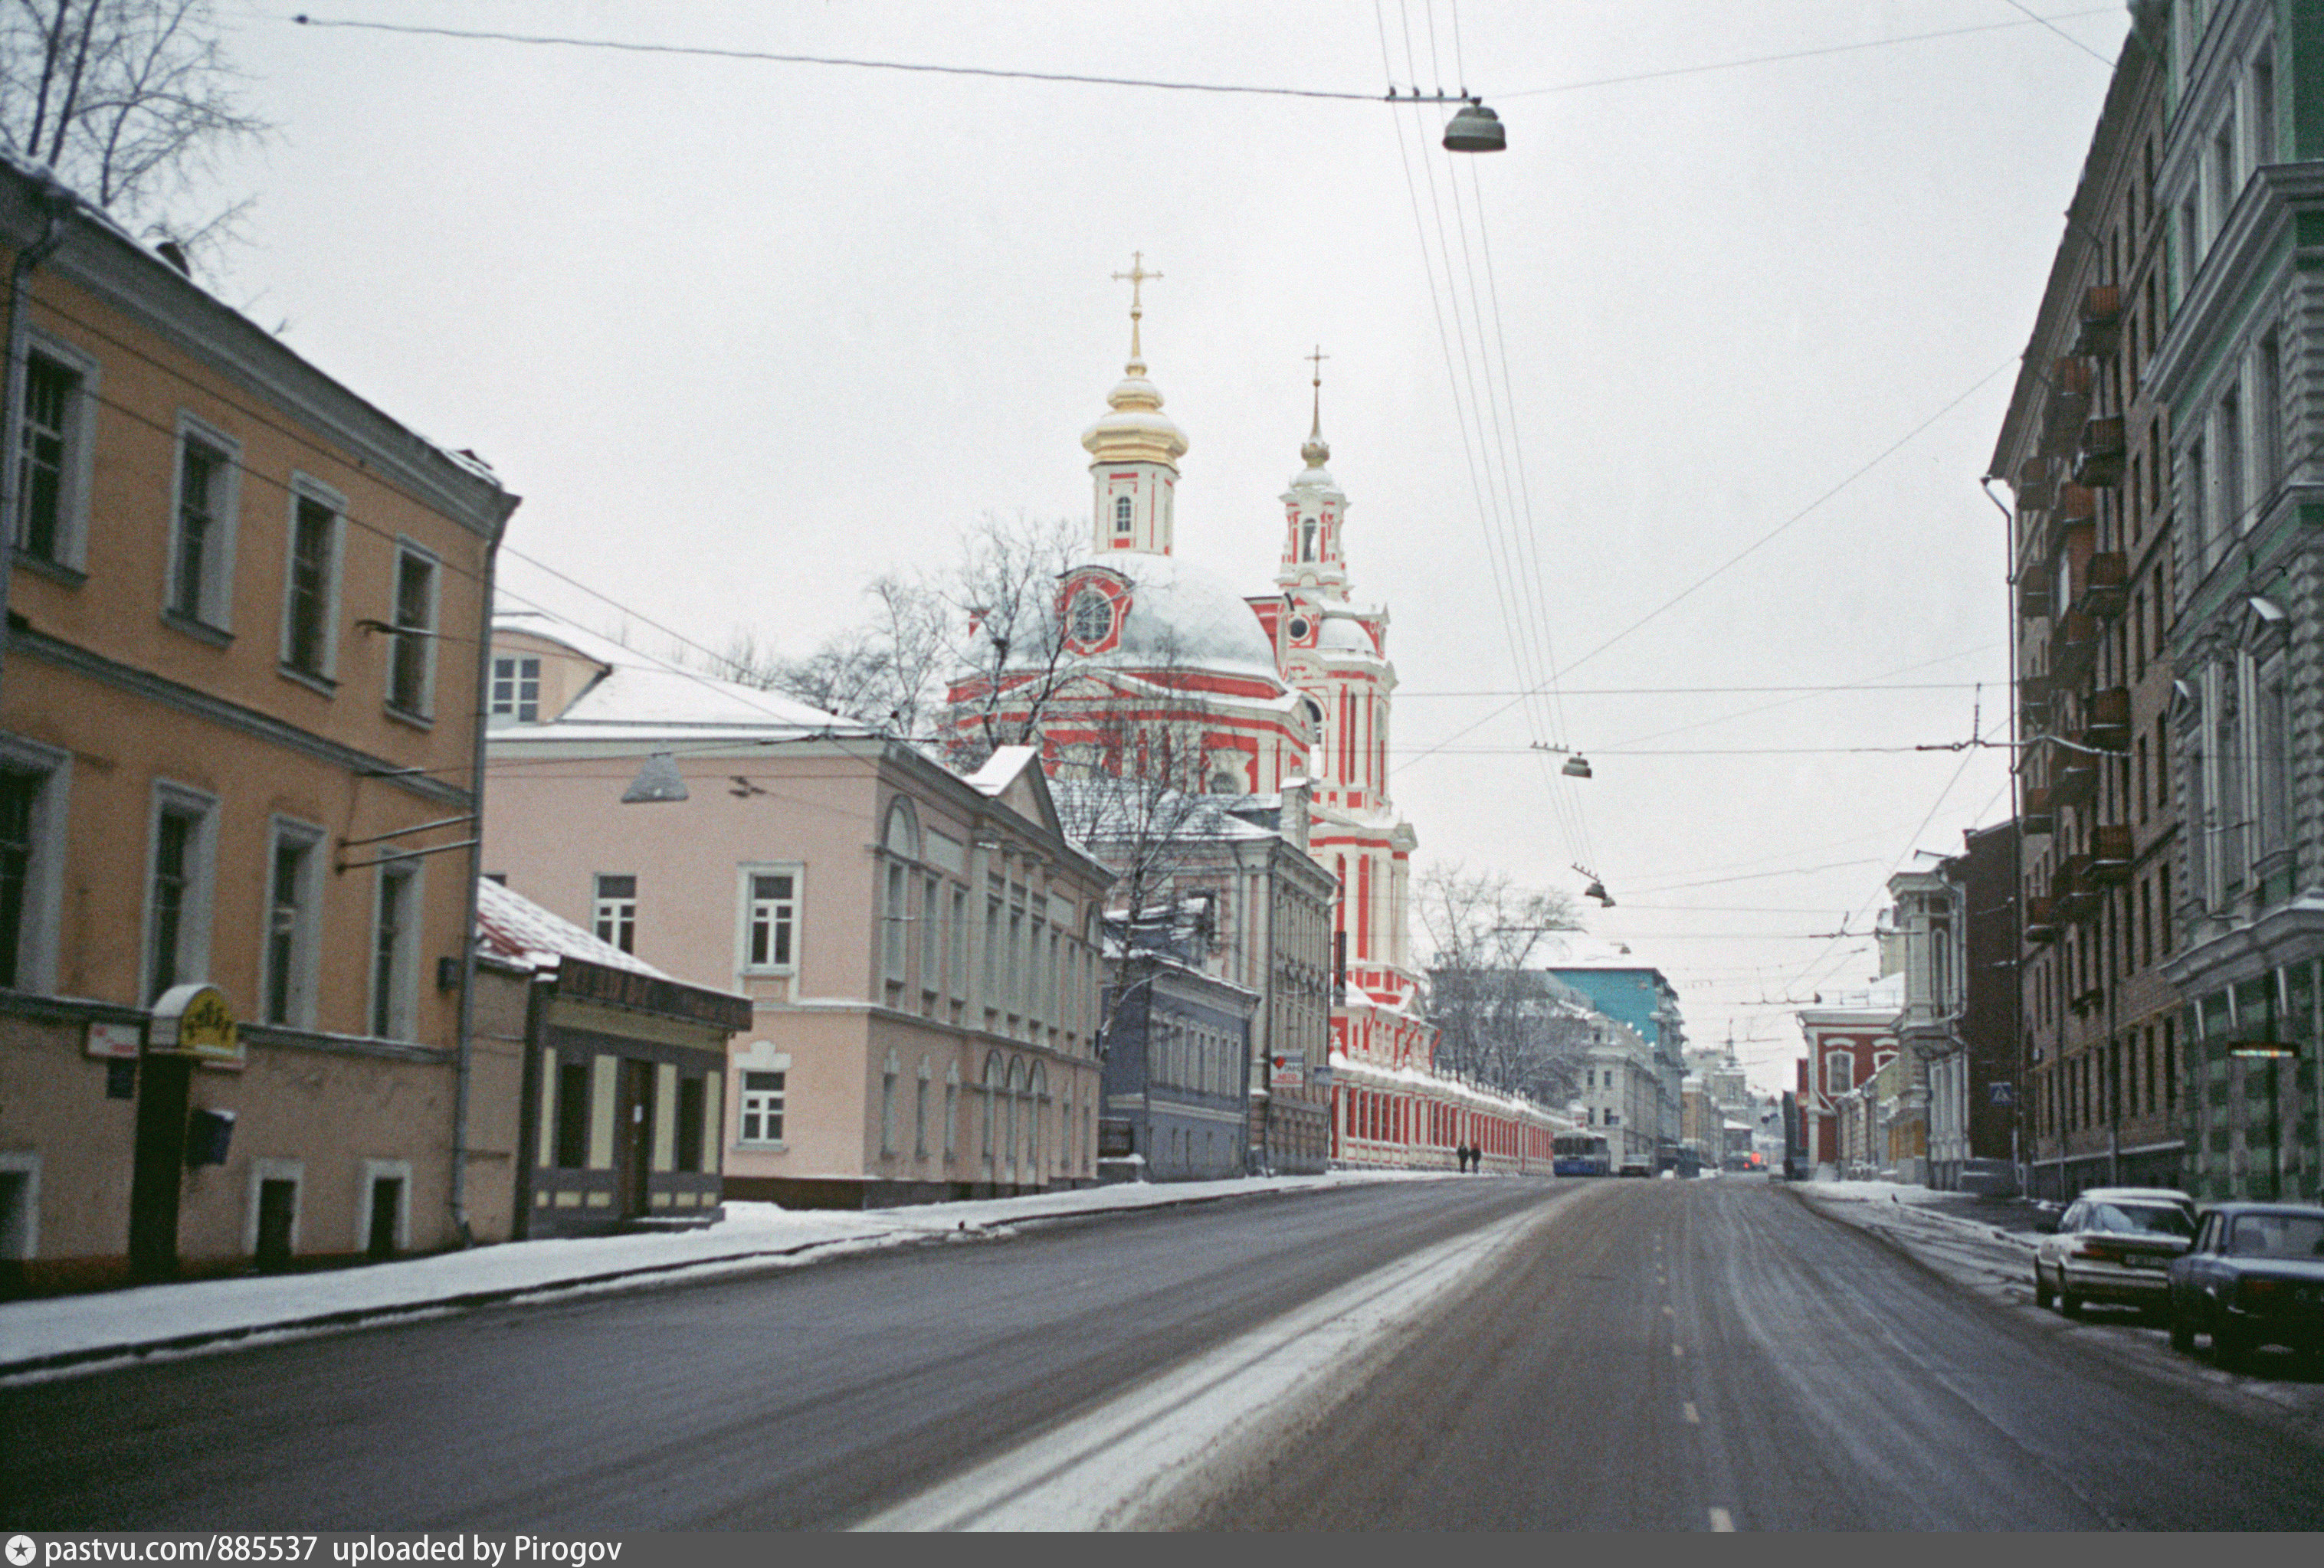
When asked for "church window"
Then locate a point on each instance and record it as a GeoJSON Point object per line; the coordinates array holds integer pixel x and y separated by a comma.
{"type": "Point", "coordinates": [1092, 615]}
{"type": "Point", "coordinates": [1122, 514]}
{"type": "Point", "coordinates": [1299, 634]}
{"type": "Point", "coordinates": [1307, 547]}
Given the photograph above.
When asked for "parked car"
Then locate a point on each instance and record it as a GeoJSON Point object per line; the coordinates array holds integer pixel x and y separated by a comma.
{"type": "Point", "coordinates": [1634, 1165]}
{"type": "Point", "coordinates": [2113, 1243]}
{"type": "Point", "coordinates": [2254, 1276]}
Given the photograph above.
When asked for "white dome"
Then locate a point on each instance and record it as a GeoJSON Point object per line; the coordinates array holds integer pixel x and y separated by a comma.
{"type": "Point", "coordinates": [1182, 615]}
{"type": "Point", "coordinates": [1341, 635]}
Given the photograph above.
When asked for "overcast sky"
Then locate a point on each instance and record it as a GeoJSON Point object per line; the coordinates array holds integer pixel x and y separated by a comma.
{"type": "Point", "coordinates": [745, 334]}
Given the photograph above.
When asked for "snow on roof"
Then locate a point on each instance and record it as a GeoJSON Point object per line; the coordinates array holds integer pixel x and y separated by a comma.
{"type": "Point", "coordinates": [1002, 768]}
{"type": "Point", "coordinates": [1106, 810]}
{"type": "Point", "coordinates": [1180, 615]}
{"type": "Point", "coordinates": [512, 927]}
{"type": "Point", "coordinates": [643, 694]}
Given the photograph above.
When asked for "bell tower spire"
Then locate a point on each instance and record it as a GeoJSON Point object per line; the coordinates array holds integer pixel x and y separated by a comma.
{"type": "Point", "coordinates": [1313, 506]}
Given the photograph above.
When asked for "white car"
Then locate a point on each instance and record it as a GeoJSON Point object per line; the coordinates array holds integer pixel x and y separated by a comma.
{"type": "Point", "coordinates": [2113, 1243]}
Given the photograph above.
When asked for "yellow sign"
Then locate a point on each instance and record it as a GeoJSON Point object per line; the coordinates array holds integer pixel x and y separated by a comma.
{"type": "Point", "coordinates": [195, 1020]}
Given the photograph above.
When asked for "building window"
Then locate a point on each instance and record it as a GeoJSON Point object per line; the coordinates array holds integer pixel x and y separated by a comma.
{"type": "Point", "coordinates": [888, 1107]}
{"type": "Point", "coordinates": [573, 1115]}
{"type": "Point", "coordinates": [31, 862]}
{"type": "Point", "coordinates": [516, 690]}
{"type": "Point", "coordinates": [201, 551]}
{"type": "Point", "coordinates": [177, 897]}
{"type": "Point", "coordinates": [1838, 1072]}
{"type": "Point", "coordinates": [952, 1110]}
{"type": "Point", "coordinates": [931, 936]}
{"type": "Point", "coordinates": [294, 903]}
{"type": "Point", "coordinates": [1122, 514]}
{"type": "Point", "coordinates": [310, 591]}
{"type": "Point", "coordinates": [692, 1104]}
{"type": "Point", "coordinates": [394, 952]}
{"type": "Point", "coordinates": [772, 915]}
{"type": "Point", "coordinates": [896, 922]}
{"type": "Point", "coordinates": [411, 662]}
{"type": "Point", "coordinates": [762, 1108]}
{"type": "Point", "coordinates": [614, 913]}
{"type": "Point", "coordinates": [52, 455]}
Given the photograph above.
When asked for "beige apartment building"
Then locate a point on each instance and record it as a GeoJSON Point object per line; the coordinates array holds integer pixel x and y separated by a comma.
{"type": "Point", "coordinates": [920, 949]}
{"type": "Point", "coordinates": [237, 754]}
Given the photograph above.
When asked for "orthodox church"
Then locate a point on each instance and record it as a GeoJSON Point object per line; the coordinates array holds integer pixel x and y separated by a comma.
{"type": "Point", "coordinates": [1254, 695]}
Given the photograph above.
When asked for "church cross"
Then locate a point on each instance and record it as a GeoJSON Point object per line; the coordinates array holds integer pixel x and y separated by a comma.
{"type": "Point", "coordinates": [1136, 277]}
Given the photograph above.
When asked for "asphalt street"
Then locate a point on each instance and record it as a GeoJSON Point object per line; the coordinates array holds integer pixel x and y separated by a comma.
{"type": "Point", "coordinates": [1649, 1355]}
{"type": "Point", "coordinates": [1715, 1354]}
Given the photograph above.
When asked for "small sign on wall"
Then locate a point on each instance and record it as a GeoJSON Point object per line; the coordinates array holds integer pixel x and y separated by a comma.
{"type": "Point", "coordinates": [114, 1041]}
{"type": "Point", "coordinates": [1289, 1072]}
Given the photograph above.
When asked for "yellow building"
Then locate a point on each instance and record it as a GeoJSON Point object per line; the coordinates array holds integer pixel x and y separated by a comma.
{"type": "Point", "coordinates": [238, 752]}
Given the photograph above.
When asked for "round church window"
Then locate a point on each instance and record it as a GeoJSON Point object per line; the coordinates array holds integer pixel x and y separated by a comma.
{"type": "Point", "coordinates": [1090, 617]}
{"type": "Point", "coordinates": [1299, 629]}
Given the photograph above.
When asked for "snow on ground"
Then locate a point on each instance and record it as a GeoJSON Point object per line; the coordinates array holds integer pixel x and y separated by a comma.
{"type": "Point", "coordinates": [87, 1327]}
{"type": "Point", "coordinates": [1999, 1265]}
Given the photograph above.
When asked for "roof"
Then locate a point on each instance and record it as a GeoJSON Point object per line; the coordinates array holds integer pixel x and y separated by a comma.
{"type": "Point", "coordinates": [513, 928]}
{"type": "Point", "coordinates": [646, 698]}
{"type": "Point", "coordinates": [1181, 616]}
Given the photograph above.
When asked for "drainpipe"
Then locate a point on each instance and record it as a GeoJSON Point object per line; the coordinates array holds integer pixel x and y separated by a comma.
{"type": "Point", "coordinates": [59, 204]}
{"type": "Point", "coordinates": [459, 1193]}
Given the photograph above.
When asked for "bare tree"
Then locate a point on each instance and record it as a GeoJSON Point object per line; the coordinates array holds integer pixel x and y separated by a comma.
{"type": "Point", "coordinates": [883, 672]}
{"type": "Point", "coordinates": [1507, 1026]}
{"type": "Point", "coordinates": [1008, 646]}
{"type": "Point", "coordinates": [132, 102]}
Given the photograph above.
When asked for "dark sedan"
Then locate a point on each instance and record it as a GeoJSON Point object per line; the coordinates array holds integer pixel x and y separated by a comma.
{"type": "Point", "coordinates": [2254, 1276]}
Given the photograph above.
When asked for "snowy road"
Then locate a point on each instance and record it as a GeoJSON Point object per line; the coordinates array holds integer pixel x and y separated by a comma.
{"type": "Point", "coordinates": [1477, 1355]}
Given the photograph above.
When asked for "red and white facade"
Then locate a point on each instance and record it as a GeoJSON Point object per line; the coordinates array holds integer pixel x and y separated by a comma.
{"type": "Point", "coordinates": [1849, 1041]}
{"type": "Point", "coordinates": [1280, 687]}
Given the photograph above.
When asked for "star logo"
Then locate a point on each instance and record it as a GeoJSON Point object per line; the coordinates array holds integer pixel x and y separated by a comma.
{"type": "Point", "coordinates": [19, 1551]}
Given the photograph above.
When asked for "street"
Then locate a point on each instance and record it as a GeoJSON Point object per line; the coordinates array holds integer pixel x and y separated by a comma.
{"type": "Point", "coordinates": [1646, 1356]}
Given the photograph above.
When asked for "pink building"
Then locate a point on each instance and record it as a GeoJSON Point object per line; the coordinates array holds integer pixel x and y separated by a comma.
{"type": "Point", "coordinates": [918, 947]}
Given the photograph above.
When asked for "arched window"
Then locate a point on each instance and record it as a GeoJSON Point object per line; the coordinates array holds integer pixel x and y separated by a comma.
{"type": "Point", "coordinates": [992, 1085]}
{"type": "Point", "coordinates": [1122, 514]}
{"type": "Point", "coordinates": [1307, 540]}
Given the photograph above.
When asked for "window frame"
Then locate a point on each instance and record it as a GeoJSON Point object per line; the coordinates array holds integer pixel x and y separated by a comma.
{"type": "Point", "coordinates": [614, 910]}
{"type": "Point", "coordinates": [307, 491]}
{"type": "Point", "coordinates": [189, 963]}
{"type": "Point", "coordinates": [305, 937]}
{"type": "Point", "coordinates": [214, 609]}
{"type": "Point", "coordinates": [421, 635]}
{"type": "Point", "coordinates": [745, 904]}
{"type": "Point", "coordinates": [38, 915]}
{"type": "Point", "coordinates": [395, 1005]}
{"type": "Point", "coordinates": [76, 462]}
{"type": "Point", "coordinates": [494, 715]}
{"type": "Point", "coordinates": [745, 1093]}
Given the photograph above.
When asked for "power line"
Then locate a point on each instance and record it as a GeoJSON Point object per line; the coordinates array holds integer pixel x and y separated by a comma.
{"type": "Point", "coordinates": [1402, 694]}
{"type": "Point", "coordinates": [1689, 70]}
{"type": "Point", "coordinates": [1766, 538]}
{"type": "Point", "coordinates": [710, 51]}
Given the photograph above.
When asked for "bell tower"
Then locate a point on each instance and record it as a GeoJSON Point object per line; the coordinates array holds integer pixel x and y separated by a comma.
{"type": "Point", "coordinates": [1134, 450]}
{"type": "Point", "coordinates": [1313, 558]}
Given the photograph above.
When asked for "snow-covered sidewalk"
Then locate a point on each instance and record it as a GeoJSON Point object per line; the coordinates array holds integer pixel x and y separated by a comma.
{"type": "Point", "coordinates": [60, 1332]}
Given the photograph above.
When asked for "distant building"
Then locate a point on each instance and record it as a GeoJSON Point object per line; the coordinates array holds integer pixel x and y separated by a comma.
{"type": "Point", "coordinates": [1622, 1092]}
{"type": "Point", "coordinates": [1177, 1052]}
{"type": "Point", "coordinates": [1638, 996]}
{"type": "Point", "coordinates": [237, 788]}
{"type": "Point", "coordinates": [1850, 1038]}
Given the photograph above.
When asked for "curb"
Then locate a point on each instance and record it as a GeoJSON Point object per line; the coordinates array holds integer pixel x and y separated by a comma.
{"type": "Point", "coordinates": [466, 1300]}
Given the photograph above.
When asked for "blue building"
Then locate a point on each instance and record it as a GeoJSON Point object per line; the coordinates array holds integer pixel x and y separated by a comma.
{"type": "Point", "coordinates": [1176, 1042]}
{"type": "Point", "coordinates": [1628, 992]}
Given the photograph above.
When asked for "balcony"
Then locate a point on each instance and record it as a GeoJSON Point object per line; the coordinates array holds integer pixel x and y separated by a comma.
{"type": "Point", "coordinates": [2105, 586]}
{"type": "Point", "coordinates": [2077, 503]}
{"type": "Point", "coordinates": [2106, 719]}
{"type": "Point", "coordinates": [2100, 331]}
{"type": "Point", "coordinates": [2040, 920]}
{"type": "Point", "coordinates": [2032, 598]}
{"type": "Point", "coordinates": [2037, 485]}
{"type": "Point", "coordinates": [2077, 894]}
{"type": "Point", "coordinates": [2073, 776]}
{"type": "Point", "coordinates": [2099, 458]}
{"type": "Point", "coordinates": [2037, 817]}
{"type": "Point", "coordinates": [2068, 408]}
{"type": "Point", "coordinates": [2034, 709]}
{"type": "Point", "coordinates": [2111, 853]}
{"type": "Point", "coordinates": [2074, 647]}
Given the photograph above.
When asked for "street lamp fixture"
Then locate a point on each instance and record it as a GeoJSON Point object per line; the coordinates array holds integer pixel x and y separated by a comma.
{"type": "Point", "coordinates": [1475, 129]}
